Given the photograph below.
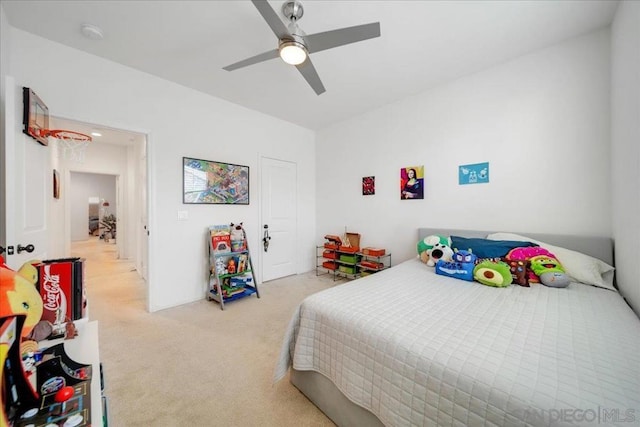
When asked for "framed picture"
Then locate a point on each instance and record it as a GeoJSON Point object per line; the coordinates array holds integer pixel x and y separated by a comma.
{"type": "Point", "coordinates": [210, 182]}
{"type": "Point", "coordinates": [412, 183]}
{"type": "Point", "coordinates": [368, 185]}
{"type": "Point", "coordinates": [477, 173]}
{"type": "Point", "coordinates": [56, 184]}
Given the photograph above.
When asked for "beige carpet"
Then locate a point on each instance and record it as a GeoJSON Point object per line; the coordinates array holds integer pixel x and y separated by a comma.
{"type": "Point", "coordinates": [194, 365]}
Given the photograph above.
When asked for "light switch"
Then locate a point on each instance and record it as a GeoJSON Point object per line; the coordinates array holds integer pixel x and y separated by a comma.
{"type": "Point", "coordinates": [183, 215]}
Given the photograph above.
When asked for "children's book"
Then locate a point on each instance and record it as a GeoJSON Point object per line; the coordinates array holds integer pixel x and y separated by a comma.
{"type": "Point", "coordinates": [220, 238]}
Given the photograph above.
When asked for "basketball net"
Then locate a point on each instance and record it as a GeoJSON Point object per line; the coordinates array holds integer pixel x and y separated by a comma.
{"type": "Point", "coordinates": [72, 144]}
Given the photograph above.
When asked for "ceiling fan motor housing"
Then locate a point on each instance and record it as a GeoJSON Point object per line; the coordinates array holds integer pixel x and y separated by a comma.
{"type": "Point", "coordinates": [293, 10]}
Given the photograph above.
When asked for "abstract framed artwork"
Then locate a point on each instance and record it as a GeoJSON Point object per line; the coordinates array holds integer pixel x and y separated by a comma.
{"type": "Point", "coordinates": [368, 185]}
{"type": "Point", "coordinates": [412, 183]}
{"type": "Point", "coordinates": [211, 182]}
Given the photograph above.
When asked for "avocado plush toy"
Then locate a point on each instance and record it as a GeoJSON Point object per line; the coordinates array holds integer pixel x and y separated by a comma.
{"type": "Point", "coordinates": [493, 273]}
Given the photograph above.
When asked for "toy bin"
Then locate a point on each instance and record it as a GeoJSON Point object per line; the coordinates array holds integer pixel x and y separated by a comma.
{"type": "Point", "coordinates": [330, 265]}
{"type": "Point", "coordinates": [349, 258]}
{"type": "Point", "coordinates": [347, 269]}
{"type": "Point", "coordinates": [373, 251]}
{"type": "Point", "coordinates": [372, 265]}
{"type": "Point", "coordinates": [329, 254]}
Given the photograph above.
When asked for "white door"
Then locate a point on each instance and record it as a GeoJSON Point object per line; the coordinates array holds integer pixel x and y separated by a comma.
{"type": "Point", "coordinates": [279, 213]}
{"type": "Point", "coordinates": [120, 224]}
{"type": "Point", "coordinates": [144, 219]}
{"type": "Point", "coordinates": [28, 186]}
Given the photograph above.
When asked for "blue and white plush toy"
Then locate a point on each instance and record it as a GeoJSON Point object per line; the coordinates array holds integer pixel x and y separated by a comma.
{"type": "Point", "coordinates": [460, 268]}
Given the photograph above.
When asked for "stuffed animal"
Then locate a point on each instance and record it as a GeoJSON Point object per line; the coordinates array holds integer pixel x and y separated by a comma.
{"type": "Point", "coordinates": [237, 238]}
{"type": "Point", "coordinates": [433, 248]}
{"type": "Point", "coordinates": [460, 268]}
{"type": "Point", "coordinates": [19, 295]}
{"type": "Point", "coordinates": [518, 271]}
{"type": "Point", "coordinates": [550, 271]}
{"type": "Point", "coordinates": [231, 266]}
{"type": "Point", "coordinates": [221, 268]}
{"type": "Point", "coordinates": [493, 273]}
{"type": "Point", "coordinates": [525, 254]}
{"type": "Point", "coordinates": [236, 232]}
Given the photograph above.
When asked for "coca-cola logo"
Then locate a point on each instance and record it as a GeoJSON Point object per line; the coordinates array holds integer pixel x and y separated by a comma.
{"type": "Point", "coordinates": [53, 298]}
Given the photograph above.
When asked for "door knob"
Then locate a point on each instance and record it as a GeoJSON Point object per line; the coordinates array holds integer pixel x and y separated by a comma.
{"type": "Point", "coordinates": [266, 238]}
{"type": "Point", "coordinates": [29, 248]}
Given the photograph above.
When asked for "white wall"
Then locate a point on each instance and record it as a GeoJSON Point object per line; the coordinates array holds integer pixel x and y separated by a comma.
{"type": "Point", "coordinates": [541, 120]}
{"type": "Point", "coordinates": [85, 185]}
{"type": "Point", "coordinates": [625, 126]}
{"type": "Point", "coordinates": [179, 122]}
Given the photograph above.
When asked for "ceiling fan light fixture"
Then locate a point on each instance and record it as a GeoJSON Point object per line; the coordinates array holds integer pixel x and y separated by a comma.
{"type": "Point", "coordinates": [292, 52]}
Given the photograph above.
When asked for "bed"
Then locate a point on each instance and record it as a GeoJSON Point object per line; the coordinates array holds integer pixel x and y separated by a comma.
{"type": "Point", "coordinates": [407, 347]}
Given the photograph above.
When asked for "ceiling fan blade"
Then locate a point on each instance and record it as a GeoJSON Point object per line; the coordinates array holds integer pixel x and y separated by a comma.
{"type": "Point", "coordinates": [334, 38]}
{"type": "Point", "coordinates": [253, 60]}
{"type": "Point", "coordinates": [310, 74]}
{"type": "Point", "coordinates": [269, 15]}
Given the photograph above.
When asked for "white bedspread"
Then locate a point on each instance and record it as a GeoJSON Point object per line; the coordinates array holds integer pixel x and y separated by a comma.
{"type": "Point", "coordinates": [415, 348]}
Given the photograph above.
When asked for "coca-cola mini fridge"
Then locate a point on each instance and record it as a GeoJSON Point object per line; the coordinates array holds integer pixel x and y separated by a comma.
{"type": "Point", "coordinates": [61, 285]}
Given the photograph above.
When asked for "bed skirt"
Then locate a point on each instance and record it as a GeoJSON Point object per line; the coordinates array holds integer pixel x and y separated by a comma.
{"type": "Point", "coordinates": [331, 401]}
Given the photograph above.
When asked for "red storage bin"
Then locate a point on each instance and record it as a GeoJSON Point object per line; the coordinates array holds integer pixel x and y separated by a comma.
{"type": "Point", "coordinates": [329, 265]}
{"type": "Point", "coordinates": [373, 251]}
{"type": "Point", "coordinates": [329, 254]}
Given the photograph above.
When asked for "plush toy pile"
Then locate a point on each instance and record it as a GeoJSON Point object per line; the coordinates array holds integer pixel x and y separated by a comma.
{"type": "Point", "coordinates": [501, 264]}
{"type": "Point", "coordinates": [541, 267]}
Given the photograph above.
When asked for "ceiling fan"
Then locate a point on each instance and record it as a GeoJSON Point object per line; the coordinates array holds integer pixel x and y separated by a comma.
{"type": "Point", "coordinates": [294, 46]}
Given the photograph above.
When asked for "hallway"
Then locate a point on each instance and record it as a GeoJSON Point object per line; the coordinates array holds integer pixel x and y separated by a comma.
{"type": "Point", "coordinates": [110, 281]}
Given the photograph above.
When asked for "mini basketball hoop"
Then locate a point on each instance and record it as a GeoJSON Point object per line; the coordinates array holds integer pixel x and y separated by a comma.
{"type": "Point", "coordinates": [73, 143]}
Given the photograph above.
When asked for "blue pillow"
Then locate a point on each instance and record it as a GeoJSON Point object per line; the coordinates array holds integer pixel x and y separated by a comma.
{"type": "Point", "coordinates": [484, 248]}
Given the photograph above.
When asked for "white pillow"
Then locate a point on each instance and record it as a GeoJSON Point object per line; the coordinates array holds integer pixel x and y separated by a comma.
{"type": "Point", "coordinates": [581, 267]}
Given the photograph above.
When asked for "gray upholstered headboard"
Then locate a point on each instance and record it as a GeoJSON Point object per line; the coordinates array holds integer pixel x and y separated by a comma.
{"type": "Point", "coordinates": [596, 246]}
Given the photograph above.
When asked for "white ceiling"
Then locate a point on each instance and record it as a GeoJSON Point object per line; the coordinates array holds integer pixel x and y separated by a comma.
{"type": "Point", "coordinates": [422, 44]}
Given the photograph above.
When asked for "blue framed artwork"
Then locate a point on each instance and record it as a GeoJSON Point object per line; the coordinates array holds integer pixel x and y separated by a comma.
{"type": "Point", "coordinates": [477, 173]}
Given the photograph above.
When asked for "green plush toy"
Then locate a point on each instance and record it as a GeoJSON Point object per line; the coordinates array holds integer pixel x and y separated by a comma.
{"type": "Point", "coordinates": [493, 273]}
{"type": "Point", "coordinates": [426, 245]}
{"type": "Point", "coordinates": [550, 271]}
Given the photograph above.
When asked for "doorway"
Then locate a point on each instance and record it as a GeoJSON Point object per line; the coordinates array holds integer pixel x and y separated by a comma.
{"type": "Point", "coordinates": [110, 172]}
{"type": "Point", "coordinates": [93, 206]}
